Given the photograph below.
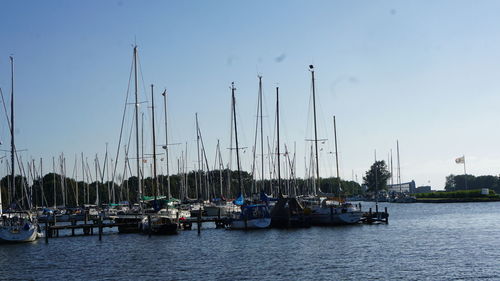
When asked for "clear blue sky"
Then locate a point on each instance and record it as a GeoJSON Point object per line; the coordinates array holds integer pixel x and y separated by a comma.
{"type": "Point", "coordinates": [423, 72]}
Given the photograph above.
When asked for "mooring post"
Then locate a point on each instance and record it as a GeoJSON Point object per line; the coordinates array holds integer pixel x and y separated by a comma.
{"type": "Point", "coordinates": [199, 222]}
{"type": "Point", "coordinates": [100, 228]}
{"type": "Point", "coordinates": [386, 216]}
{"type": "Point", "coordinates": [47, 231]}
{"type": "Point", "coordinates": [53, 231]}
{"type": "Point", "coordinates": [376, 211]}
{"type": "Point", "coordinates": [149, 225]}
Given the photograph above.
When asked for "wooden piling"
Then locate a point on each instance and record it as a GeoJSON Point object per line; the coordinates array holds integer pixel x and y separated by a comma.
{"type": "Point", "coordinates": [73, 223]}
{"type": "Point", "coordinates": [100, 228]}
{"type": "Point", "coordinates": [149, 225]}
{"type": "Point", "coordinates": [199, 222]}
{"type": "Point", "coordinates": [47, 231]}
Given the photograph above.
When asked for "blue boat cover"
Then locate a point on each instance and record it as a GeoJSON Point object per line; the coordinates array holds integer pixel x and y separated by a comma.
{"type": "Point", "coordinates": [263, 196]}
{"type": "Point", "coordinates": [239, 201]}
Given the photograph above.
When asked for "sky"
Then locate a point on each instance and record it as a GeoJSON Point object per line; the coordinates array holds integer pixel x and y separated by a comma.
{"type": "Point", "coordinates": [424, 73]}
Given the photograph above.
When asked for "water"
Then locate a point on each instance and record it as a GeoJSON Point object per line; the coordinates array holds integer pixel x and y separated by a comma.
{"type": "Point", "coordinates": [421, 242]}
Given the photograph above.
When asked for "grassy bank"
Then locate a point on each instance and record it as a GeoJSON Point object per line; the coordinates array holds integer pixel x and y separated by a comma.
{"type": "Point", "coordinates": [457, 196]}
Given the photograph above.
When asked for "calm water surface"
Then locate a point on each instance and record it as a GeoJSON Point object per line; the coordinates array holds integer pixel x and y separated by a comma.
{"type": "Point", "coordinates": [421, 242]}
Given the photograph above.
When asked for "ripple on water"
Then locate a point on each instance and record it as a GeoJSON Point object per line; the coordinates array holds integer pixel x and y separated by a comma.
{"type": "Point", "coordinates": [421, 242]}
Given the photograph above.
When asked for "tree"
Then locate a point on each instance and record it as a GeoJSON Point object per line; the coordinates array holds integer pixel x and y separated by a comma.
{"type": "Point", "coordinates": [376, 178]}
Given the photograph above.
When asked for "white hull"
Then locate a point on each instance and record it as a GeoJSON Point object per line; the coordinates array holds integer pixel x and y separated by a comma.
{"type": "Point", "coordinates": [335, 216]}
{"type": "Point", "coordinates": [251, 224]}
{"type": "Point", "coordinates": [15, 234]}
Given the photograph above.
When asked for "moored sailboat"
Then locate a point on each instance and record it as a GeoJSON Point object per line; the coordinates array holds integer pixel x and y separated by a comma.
{"type": "Point", "coordinates": [251, 216]}
{"type": "Point", "coordinates": [326, 209]}
{"type": "Point", "coordinates": [17, 226]}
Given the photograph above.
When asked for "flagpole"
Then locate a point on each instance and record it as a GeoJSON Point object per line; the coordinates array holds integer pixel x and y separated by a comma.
{"type": "Point", "coordinates": [465, 174]}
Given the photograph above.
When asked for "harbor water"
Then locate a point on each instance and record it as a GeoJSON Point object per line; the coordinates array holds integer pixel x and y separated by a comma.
{"type": "Point", "coordinates": [421, 242]}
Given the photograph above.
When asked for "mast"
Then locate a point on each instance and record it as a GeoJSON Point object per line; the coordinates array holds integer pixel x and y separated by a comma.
{"type": "Point", "coordinates": [236, 138]}
{"type": "Point", "coordinates": [318, 188]}
{"type": "Point", "coordinates": [399, 167]}
{"type": "Point", "coordinates": [198, 175]}
{"type": "Point", "coordinates": [261, 133]}
{"type": "Point", "coordinates": [12, 146]}
{"type": "Point", "coordinates": [336, 153]}
{"type": "Point", "coordinates": [41, 183]}
{"type": "Point", "coordinates": [54, 180]}
{"type": "Point", "coordinates": [96, 181]}
{"type": "Point", "coordinates": [155, 186]}
{"type": "Point", "coordinates": [166, 143]}
{"type": "Point", "coordinates": [137, 126]}
{"type": "Point", "coordinates": [221, 166]}
{"type": "Point", "coordinates": [278, 134]}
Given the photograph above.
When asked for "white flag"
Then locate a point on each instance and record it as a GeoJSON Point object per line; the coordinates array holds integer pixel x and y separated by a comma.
{"type": "Point", "coordinates": [460, 160]}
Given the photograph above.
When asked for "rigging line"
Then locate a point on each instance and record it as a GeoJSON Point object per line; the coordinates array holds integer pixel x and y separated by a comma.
{"type": "Point", "coordinates": [123, 121]}
{"type": "Point", "coordinates": [23, 173]}
{"type": "Point", "coordinates": [255, 138]}
{"type": "Point", "coordinates": [143, 84]}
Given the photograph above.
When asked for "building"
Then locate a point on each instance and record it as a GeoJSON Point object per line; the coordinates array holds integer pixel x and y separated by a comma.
{"type": "Point", "coordinates": [423, 189]}
{"type": "Point", "coordinates": [406, 187]}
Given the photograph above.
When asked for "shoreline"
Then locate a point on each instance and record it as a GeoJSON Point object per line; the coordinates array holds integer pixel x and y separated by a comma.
{"type": "Point", "coordinates": [456, 200]}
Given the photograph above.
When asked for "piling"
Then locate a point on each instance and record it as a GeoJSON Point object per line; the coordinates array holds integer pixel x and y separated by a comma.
{"type": "Point", "coordinates": [73, 223]}
{"type": "Point", "coordinates": [199, 222]}
{"type": "Point", "coordinates": [100, 228]}
{"type": "Point", "coordinates": [149, 225]}
{"type": "Point", "coordinates": [386, 214]}
{"type": "Point", "coordinates": [47, 231]}
{"type": "Point", "coordinates": [86, 230]}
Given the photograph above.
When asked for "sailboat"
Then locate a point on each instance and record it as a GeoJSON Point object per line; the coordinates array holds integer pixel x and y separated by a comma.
{"type": "Point", "coordinates": [251, 216]}
{"type": "Point", "coordinates": [17, 226]}
{"type": "Point", "coordinates": [162, 220]}
{"type": "Point", "coordinates": [288, 211]}
{"type": "Point", "coordinates": [326, 208]}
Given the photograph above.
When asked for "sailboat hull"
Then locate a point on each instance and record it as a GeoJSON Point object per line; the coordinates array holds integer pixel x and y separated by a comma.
{"type": "Point", "coordinates": [12, 234]}
{"type": "Point", "coordinates": [259, 223]}
{"type": "Point", "coordinates": [335, 216]}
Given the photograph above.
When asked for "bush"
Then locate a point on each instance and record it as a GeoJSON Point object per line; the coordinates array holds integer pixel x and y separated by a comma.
{"type": "Point", "coordinates": [457, 194]}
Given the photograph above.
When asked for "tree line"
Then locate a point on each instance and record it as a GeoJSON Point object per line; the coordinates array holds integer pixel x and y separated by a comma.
{"type": "Point", "coordinates": [56, 190]}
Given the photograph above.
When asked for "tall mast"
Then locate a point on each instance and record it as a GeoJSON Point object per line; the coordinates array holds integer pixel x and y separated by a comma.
{"type": "Point", "coordinates": [278, 134]}
{"type": "Point", "coordinates": [96, 181]}
{"type": "Point", "coordinates": [399, 167]}
{"type": "Point", "coordinates": [336, 153]}
{"type": "Point", "coordinates": [236, 138]}
{"type": "Point", "coordinates": [318, 188]}
{"type": "Point", "coordinates": [155, 186]}
{"type": "Point", "coordinates": [54, 180]}
{"type": "Point", "coordinates": [12, 147]}
{"type": "Point", "coordinates": [166, 142]}
{"type": "Point", "coordinates": [137, 127]}
{"type": "Point", "coordinates": [261, 132]}
{"type": "Point", "coordinates": [198, 175]}
{"type": "Point", "coordinates": [221, 166]}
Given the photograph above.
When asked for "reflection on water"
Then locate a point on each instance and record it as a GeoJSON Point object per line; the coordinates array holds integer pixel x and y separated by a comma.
{"type": "Point", "coordinates": [421, 241]}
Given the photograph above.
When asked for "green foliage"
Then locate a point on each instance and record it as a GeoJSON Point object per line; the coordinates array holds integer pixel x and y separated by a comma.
{"type": "Point", "coordinates": [53, 189]}
{"type": "Point", "coordinates": [376, 178]}
{"type": "Point", "coordinates": [476, 193]}
{"type": "Point", "coordinates": [457, 182]}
